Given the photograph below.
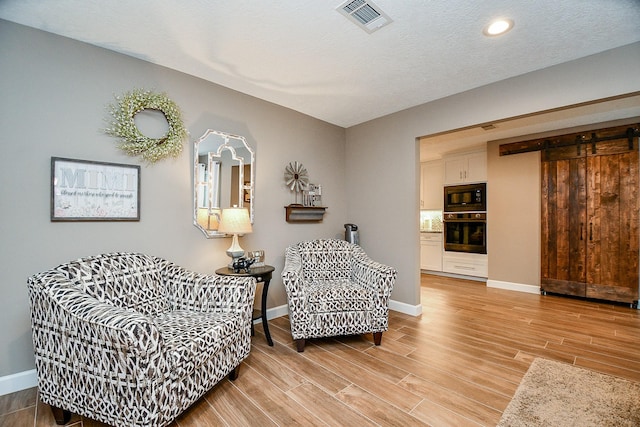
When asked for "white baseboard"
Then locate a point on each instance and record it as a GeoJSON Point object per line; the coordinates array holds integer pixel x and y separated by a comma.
{"type": "Point", "coordinates": [519, 287]}
{"type": "Point", "coordinates": [454, 275]}
{"type": "Point", "coordinates": [16, 382]}
{"type": "Point", "coordinates": [274, 312]}
{"type": "Point", "coordinates": [412, 310]}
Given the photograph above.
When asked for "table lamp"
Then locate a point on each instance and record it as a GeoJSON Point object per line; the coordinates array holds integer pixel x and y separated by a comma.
{"type": "Point", "coordinates": [235, 221]}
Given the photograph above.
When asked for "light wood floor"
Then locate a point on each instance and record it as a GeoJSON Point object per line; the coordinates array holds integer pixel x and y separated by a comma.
{"type": "Point", "coordinates": [458, 364]}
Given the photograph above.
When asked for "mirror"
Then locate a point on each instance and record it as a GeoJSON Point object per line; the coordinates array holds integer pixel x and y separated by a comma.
{"type": "Point", "coordinates": [224, 176]}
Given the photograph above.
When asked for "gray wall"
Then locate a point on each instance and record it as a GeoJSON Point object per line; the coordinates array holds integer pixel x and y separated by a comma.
{"type": "Point", "coordinates": [54, 94]}
{"type": "Point", "coordinates": [514, 217]}
{"type": "Point", "coordinates": [53, 98]}
{"type": "Point", "coordinates": [383, 172]}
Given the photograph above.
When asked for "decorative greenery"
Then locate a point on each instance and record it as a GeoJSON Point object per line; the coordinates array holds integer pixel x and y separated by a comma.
{"type": "Point", "coordinates": [133, 141]}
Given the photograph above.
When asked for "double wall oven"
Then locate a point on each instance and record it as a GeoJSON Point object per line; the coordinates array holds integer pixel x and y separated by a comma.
{"type": "Point", "coordinates": [465, 218]}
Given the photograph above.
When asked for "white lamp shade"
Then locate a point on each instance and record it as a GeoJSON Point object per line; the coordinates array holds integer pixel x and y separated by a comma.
{"type": "Point", "coordinates": [235, 221]}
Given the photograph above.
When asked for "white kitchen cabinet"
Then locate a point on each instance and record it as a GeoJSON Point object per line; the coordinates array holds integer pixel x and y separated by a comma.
{"type": "Point", "coordinates": [431, 251]}
{"type": "Point", "coordinates": [431, 185]}
{"type": "Point", "coordinates": [464, 168]}
{"type": "Point", "coordinates": [465, 263]}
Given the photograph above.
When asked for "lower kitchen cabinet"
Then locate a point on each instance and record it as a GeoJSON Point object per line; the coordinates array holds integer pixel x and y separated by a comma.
{"type": "Point", "coordinates": [466, 264]}
{"type": "Point", "coordinates": [431, 251]}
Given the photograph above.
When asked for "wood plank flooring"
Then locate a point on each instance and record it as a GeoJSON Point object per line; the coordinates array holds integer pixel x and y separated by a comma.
{"type": "Point", "coordinates": [458, 364]}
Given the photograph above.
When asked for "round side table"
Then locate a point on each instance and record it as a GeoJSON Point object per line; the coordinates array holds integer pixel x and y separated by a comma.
{"type": "Point", "coordinates": [262, 274]}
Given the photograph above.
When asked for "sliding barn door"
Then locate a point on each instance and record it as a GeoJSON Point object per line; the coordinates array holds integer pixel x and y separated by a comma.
{"type": "Point", "coordinates": [612, 243]}
{"type": "Point", "coordinates": [590, 220]}
{"type": "Point", "coordinates": [563, 225]}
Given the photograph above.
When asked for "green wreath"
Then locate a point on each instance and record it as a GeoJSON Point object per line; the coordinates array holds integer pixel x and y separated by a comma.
{"type": "Point", "coordinates": [133, 141]}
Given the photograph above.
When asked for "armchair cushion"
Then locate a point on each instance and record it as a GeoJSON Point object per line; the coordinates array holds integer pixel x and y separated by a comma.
{"type": "Point", "coordinates": [131, 282]}
{"type": "Point", "coordinates": [328, 296]}
{"type": "Point", "coordinates": [323, 260]}
{"type": "Point", "coordinates": [192, 338]}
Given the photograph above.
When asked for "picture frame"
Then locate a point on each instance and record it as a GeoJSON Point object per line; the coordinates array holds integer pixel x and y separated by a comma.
{"type": "Point", "coordinates": [257, 257]}
{"type": "Point", "coordinates": [85, 190]}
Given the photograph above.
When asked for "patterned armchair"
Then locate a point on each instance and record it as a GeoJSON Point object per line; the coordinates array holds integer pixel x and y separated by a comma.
{"type": "Point", "coordinates": [133, 340]}
{"type": "Point", "coordinates": [334, 288]}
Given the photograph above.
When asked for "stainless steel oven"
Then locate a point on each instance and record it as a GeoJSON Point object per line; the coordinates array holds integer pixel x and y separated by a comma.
{"type": "Point", "coordinates": [465, 232]}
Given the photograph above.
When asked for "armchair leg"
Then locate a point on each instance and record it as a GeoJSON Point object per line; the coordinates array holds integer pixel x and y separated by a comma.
{"type": "Point", "coordinates": [62, 416]}
{"type": "Point", "coordinates": [234, 374]}
{"type": "Point", "coordinates": [377, 338]}
{"type": "Point", "coordinates": [300, 345]}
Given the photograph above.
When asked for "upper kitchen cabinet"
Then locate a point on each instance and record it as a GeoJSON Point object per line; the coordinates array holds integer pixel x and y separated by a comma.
{"type": "Point", "coordinates": [463, 168]}
{"type": "Point", "coordinates": [431, 184]}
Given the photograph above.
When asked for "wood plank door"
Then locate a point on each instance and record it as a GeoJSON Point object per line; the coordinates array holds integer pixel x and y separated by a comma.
{"type": "Point", "coordinates": [564, 214]}
{"type": "Point", "coordinates": [613, 220]}
{"type": "Point", "coordinates": [591, 214]}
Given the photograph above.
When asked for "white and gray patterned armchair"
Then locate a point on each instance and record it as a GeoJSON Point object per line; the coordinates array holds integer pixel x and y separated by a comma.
{"type": "Point", "coordinates": [334, 288]}
{"type": "Point", "coordinates": [133, 340]}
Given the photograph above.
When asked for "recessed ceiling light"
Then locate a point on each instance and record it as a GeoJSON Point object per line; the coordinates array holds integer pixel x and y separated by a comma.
{"type": "Point", "coordinates": [498, 27]}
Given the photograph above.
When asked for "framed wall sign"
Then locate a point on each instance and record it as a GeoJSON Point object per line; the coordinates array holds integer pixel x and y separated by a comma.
{"type": "Point", "coordinates": [84, 190]}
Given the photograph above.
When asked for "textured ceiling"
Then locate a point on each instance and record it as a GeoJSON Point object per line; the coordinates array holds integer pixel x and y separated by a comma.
{"type": "Point", "coordinates": [306, 56]}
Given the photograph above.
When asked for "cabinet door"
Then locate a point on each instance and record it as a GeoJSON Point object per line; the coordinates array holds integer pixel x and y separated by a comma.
{"type": "Point", "coordinates": [454, 169]}
{"type": "Point", "coordinates": [476, 167]}
{"type": "Point", "coordinates": [470, 167]}
{"type": "Point", "coordinates": [431, 255]}
{"type": "Point", "coordinates": [563, 226]}
{"type": "Point", "coordinates": [612, 241]}
{"type": "Point", "coordinates": [432, 185]}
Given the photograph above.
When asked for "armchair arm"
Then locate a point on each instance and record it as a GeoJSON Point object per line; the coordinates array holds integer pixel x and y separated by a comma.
{"type": "Point", "coordinates": [373, 274]}
{"type": "Point", "coordinates": [293, 281]}
{"type": "Point", "coordinates": [77, 333]}
{"type": "Point", "coordinates": [381, 279]}
{"type": "Point", "coordinates": [292, 275]}
{"type": "Point", "coordinates": [209, 292]}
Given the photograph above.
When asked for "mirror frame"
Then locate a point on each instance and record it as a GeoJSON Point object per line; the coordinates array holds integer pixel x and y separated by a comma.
{"type": "Point", "coordinates": [214, 159]}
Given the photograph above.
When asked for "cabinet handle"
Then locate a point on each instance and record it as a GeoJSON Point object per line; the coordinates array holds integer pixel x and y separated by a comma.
{"type": "Point", "coordinates": [590, 231]}
{"type": "Point", "coordinates": [460, 174]}
{"type": "Point", "coordinates": [581, 230]}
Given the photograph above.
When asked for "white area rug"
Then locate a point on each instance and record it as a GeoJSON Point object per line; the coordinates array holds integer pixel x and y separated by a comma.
{"type": "Point", "coordinates": [556, 394]}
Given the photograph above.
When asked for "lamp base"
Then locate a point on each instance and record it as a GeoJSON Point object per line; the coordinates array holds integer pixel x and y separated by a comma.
{"type": "Point", "coordinates": [235, 252]}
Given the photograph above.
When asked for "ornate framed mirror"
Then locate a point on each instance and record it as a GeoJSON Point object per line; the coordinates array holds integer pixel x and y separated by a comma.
{"type": "Point", "coordinates": [223, 176]}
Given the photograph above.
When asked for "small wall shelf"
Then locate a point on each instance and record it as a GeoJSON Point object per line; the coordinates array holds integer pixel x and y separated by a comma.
{"type": "Point", "coordinates": [299, 213]}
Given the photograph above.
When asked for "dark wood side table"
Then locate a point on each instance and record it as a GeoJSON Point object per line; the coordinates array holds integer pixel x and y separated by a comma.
{"type": "Point", "coordinates": [262, 274]}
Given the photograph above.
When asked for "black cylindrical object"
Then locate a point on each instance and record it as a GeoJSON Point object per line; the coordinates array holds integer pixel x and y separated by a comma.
{"type": "Point", "coordinates": [351, 233]}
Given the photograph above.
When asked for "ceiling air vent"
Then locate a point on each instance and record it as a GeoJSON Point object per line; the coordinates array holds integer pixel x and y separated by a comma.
{"type": "Point", "coordinates": [365, 14]}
